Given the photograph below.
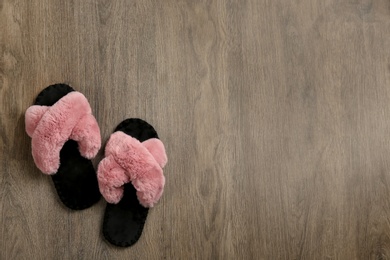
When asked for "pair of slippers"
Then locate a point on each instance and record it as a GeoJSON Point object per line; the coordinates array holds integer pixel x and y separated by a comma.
{"type": "Point", "coordinates": [65, 136]}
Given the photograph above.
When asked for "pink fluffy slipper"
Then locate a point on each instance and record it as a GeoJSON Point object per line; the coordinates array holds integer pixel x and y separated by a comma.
{"type": "Point", "coordinates": [65, 135]}
{"type": "Point", "coordinates": [130, 179]}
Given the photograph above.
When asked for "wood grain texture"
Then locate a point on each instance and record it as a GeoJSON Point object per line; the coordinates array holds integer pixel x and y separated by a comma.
{"type": "Point", "coordinates": [275, 115]}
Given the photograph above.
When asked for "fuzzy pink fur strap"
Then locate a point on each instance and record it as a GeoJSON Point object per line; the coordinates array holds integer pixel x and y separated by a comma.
{"type": "Point", "coordinates": [129, 160]}
{"type": "Point", "coordinates": [51, 126]}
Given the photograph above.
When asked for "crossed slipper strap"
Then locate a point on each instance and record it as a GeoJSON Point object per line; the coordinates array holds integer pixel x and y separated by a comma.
{"type": "Point", "coordinates": [51, 126]}
{"type": "Point", "coordinates": [128, 160]}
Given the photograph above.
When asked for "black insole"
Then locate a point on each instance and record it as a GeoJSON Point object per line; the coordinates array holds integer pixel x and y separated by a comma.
{"type": "Point", "coordinates": [124, 222]}
{"type": "Point", "coordinates": [75, 180]}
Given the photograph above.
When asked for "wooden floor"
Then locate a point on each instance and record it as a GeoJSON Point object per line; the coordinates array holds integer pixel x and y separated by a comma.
{"type": "Point", "coordinates": [275, 115]}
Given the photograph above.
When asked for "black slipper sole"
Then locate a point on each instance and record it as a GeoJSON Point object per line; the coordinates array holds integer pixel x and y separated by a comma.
{"type": "Point", "coordinates": [123, 222]}
{"type": "Point", "coordinates": [75, 180]}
